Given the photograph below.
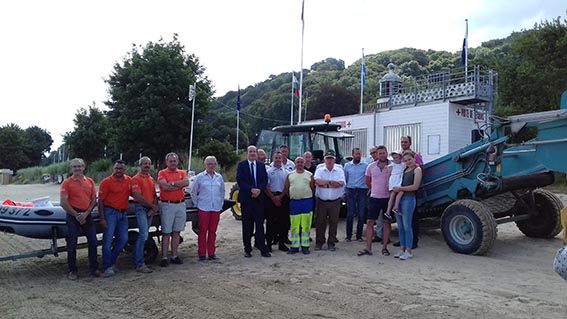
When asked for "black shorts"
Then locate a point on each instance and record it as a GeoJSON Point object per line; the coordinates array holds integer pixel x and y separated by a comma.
{"type": "Point", "coordinates": [375, 206]}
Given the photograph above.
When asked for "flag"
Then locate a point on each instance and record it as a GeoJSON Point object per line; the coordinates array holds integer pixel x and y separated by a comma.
{"type": "Point", "coordinates": [295, 85]}
{"type": "Point", "coordinates": [238, 100]}
{"type": "Point", "coordinates": [464, 52]}
{"type": "Point", "coordinates": [363, 71]}
{"type": "Point", "coordinates": [302, 7]}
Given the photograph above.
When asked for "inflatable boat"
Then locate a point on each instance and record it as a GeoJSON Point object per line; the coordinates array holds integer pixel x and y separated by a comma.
{"type": "Point", "coordinates": [50, 222]}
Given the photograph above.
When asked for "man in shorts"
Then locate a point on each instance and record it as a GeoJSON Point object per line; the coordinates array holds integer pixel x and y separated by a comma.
{"type": "Point", "coordinates": [172, 182]}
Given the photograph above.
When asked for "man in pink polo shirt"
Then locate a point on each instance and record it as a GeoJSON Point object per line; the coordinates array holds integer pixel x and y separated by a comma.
{"type": "Point", "coordinates": [377, 181]}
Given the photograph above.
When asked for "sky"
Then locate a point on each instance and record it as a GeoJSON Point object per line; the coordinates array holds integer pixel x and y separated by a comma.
{"type": "Point", "coordinates": [55, 55]}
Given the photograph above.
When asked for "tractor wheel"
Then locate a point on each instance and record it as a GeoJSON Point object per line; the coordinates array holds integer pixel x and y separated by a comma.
{"type": "Point", "coordinates": [468, 227]}
{"type": "Point", "coordinates": [236, 210]}
{"type": "Point", "coordinates": [150, 251]}
{"type": "Point", "coordinates": [546, 221]}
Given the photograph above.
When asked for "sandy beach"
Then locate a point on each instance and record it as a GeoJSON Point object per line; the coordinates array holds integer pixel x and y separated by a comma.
{"type": "Point", "coordinates": [515, 280]}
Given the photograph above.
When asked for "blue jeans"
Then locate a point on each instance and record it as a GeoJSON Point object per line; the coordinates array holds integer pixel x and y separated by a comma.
{"type": "Point", "coordinates": [116, 225]}
{"type": "Point", "coordinates": [89, 230]}
{"type": "Point", "coordinates": [407, 208]}
{"type": "Point", "coordinates": [144, 223]}
{"type": "Point", "coordinates": [356, 203]}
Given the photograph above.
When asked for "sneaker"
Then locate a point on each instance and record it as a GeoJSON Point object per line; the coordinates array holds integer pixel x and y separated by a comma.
{"type": "Point", "coordinates": [292, 251]}
{"type": "Point", "coordinates": [164, 262]}
{"type": "Point", "coordinates": [406, 256]}
{"type": "Point", "coordinates": [176, 260]}
{"type": "Point", "coordinates": [376, 240]}
{"type": "Point", "coordinates": [202, 258]}
{"type": "Point", "coordinates": [348, 240]}
{"type": "Point", "coordinates": [115, 269]}
{"type": "Point", "coordinates": [96, 273]}
{"type": "Point", "coordinates": [109, 272]}
{"type": "Point", "coordinates": [399, 254]}
{"type": "Point", "coordinates": [359, 239]}
{"type": "Point", "coordinates": [213, 258]}
{"type": "Point", "coordinates": [305, 251]}
{"type": "Point", "coordinates": [332, 248]}
{"type": "Point", "coordinates": [318, 247]}
{"type": "Point", "coordinates": [144, 269]}
{"type": "Point", "coordinates": [72, 275]}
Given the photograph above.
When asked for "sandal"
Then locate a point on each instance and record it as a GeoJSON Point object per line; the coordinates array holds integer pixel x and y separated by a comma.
{"type": "Point", "coordinates": [364, 252]}
{"type": "Point", "coordinates": [385, 252]}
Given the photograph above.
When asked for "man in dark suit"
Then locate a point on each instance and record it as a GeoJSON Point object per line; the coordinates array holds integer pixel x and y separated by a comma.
{"type": "Point", "coordinates": [252, 179]}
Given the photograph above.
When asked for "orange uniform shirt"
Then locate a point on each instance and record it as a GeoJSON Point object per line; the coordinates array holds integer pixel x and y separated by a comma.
{"type": "Point", "coordinates": [170, 176]}
{"type": "Point", "coordinates": [115, 192]}
{"type": "Point", "coordinates": [145, 184]}
{"type": "Point", "coordinates": [79, 191]}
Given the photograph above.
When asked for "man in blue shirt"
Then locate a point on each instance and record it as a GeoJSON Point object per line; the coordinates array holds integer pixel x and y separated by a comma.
{"type": "Point", "coordinates": [356, 190]}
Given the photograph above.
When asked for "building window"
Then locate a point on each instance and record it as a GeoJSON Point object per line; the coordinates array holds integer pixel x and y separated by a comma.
{"type": "Point", "coordinates": [393, 134]}
{"type": "Point", "coordinates": [359, 140]}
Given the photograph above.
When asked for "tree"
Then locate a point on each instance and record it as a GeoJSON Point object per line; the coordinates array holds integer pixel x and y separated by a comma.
{"type": "Point", "coordinates": [149, 110]}
{"type": "Point", "coordinates": [533, 73]}
{"type": "Point", "coordinates": [334, 100]}
{"type": "Point", "coordinates": [13, 145]}
{"type": "Point", "coordinates": [90, 136]}
{"type": "Point", "coordinates": [39, 142]}
{"type": "Point", "coordinates": [223, 151]}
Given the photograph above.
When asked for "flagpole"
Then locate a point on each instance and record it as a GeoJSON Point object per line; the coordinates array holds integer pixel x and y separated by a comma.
{"type": "Point", "coordinates": [192, 96]}
{"type": "Point", "coordinates": [292, 93]}
{"type": "Point", "coordinates": [362, 80]}
{"type": "Point", "coordinates": [237, 118]}
{"type": "Point", "coordinates": [301, 73]}
{"type": "Point", "coordinates": [466, 49]}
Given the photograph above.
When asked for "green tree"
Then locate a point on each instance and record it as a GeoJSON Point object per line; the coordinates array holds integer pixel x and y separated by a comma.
{"type": "Point", "coordinates": [38, 143]}
{"type": "Point", "coordinates": [89, 138]}
{"type": "Point", "coordinates": [334, 100]}
{"type": "Point", "coordinates": [149, 109]}
{"type": "Point", "coordinates": [13, 144]}
{"type": "Point", "coordinates": [223, 151]}
{"type": "Point", "coordinates": [533, 73]}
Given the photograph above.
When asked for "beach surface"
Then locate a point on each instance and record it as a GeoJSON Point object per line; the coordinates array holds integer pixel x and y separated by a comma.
{"type": "Point", "coordinates": [516, 280]}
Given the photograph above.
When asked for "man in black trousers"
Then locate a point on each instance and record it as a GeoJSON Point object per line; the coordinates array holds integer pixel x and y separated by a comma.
{"type": "Point", "coordinates": [252, 179]}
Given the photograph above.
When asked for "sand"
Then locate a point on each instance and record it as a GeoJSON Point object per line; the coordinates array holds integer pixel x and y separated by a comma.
{"type": "Point", "coordinates": [515, 280]}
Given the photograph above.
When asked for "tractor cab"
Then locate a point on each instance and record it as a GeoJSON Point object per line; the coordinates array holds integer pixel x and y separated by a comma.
{"type": "Point", "coordinates": [316, 138]}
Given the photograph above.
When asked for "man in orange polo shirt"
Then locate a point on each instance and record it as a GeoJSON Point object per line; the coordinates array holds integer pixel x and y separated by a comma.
{"type": "Point", "coordinates": [145, 198]}
{"type": "Point", "coordinates": [113, 194]}
{"type": "Point", "coordinates": [78, 198]}
{"type": "Point", "coordinates": [172, 182]}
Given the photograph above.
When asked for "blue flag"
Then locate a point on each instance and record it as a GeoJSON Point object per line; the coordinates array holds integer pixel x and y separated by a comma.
{"type": "Point", "coordinates": [238, 100]}
{"type": "Point", "coordinates": [363, 71]}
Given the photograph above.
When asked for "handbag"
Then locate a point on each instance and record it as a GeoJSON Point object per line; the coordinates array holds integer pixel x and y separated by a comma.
{"type": "Point", "coordinates": [560, 263]}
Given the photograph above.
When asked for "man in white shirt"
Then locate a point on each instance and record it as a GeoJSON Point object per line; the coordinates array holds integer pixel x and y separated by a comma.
{"type": "Point", "coordinates": [330, 182]}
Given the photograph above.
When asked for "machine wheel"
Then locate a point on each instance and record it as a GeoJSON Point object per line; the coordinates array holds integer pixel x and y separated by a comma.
{"type": "Point", "coordinates": [150, 251]}
{"type": "Point", "coordinates": [236, 210]}
{"type": "Point", "coordinates": [468, 227]}
{"type": "Point", "coordinates": [546, 221]}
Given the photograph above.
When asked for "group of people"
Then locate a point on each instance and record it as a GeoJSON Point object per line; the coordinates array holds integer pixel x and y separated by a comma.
{"type": "Point", "coordinates": [79, 197]}
{"type": "Point", "coordinates": [286, 195]}
{"type": "Point", "coordinates": [283, 195]}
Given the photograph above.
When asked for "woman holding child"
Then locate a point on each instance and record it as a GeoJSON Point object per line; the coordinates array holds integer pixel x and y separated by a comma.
{"type": "Point", "coordinates": [410, 184]}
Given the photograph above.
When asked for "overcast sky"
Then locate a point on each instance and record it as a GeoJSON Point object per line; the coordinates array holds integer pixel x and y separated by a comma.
{"type": "Point", "coordinates": [55, 55]}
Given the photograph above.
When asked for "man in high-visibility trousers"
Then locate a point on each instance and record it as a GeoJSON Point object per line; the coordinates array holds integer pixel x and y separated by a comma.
{"type": "Point", "coordinates": [300, 185]}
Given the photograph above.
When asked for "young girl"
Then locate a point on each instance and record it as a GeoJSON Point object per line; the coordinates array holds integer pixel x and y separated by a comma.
{"type": "Point", "coordinates": [395, 173]}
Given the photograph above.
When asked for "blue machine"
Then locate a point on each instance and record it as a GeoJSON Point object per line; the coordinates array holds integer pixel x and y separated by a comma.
{"type": "Point", "coordinates": [497, 180]}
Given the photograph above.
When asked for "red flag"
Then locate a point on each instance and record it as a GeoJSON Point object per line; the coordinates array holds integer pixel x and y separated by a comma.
{"type": "Point", "coordinates": [295, 86]}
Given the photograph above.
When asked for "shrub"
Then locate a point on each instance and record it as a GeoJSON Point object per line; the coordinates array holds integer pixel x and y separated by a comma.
{"type": "Point", "coordinates": [223, 151]}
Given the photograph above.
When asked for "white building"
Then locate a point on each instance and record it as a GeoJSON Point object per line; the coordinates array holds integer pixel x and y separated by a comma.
{"type": "Point", "coordinates": [442, 113]}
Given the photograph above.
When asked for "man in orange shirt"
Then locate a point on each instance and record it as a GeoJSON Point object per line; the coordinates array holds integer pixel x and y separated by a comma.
{"type": "Point", "coordinates": [78, 198]}
{"type": "Point", "coordinates": [172, 182]}
{"type": "Point", "coordinates": [113, 194]}
{"type": "Point", "coordinates": [145, 198]}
